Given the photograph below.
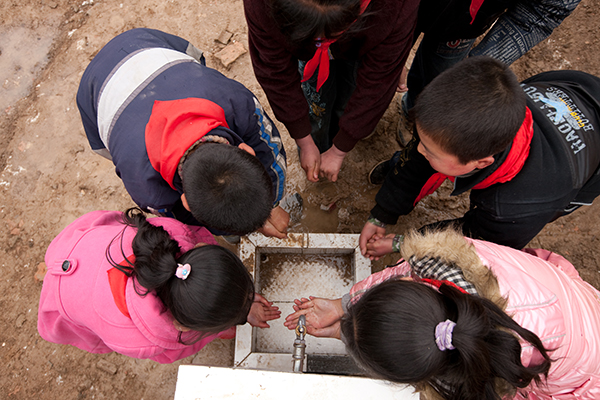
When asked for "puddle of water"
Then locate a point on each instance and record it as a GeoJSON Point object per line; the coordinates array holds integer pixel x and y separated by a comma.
{"type": "Point", "coordinates": [319, 221]}
{"type": "Point", "coordinates": [24, 53]}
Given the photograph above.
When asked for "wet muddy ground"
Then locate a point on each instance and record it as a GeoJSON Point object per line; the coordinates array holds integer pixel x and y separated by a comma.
{"type": "Point", "coordinates": [49, 176]}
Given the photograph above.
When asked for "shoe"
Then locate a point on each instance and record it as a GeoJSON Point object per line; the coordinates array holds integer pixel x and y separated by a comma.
{"type": "Point", "coordinates": [291, 202]}
{"type": "Point", "coordinates": [379, 172]}
{"type": "Point", "coordinates": [405, 124]}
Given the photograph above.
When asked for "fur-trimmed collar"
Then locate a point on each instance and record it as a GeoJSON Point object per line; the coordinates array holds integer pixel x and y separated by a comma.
{"type": "Point", "coordinates": [453, 248]}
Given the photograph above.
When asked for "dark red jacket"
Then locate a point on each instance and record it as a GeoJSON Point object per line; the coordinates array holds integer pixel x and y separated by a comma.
{"type": "Point", "coordinates": [381, 48]}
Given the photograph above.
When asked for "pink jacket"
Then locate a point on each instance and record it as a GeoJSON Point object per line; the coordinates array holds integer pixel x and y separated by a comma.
{"type": "Point", "coordinates": [547, 296]}
{"type": "Point", "coordinates": [77, 306]}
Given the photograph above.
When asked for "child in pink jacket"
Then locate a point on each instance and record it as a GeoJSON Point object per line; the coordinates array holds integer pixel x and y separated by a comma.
{"type": "Point", "coordinates": [154, 288]}
{"type": "Point", "coordinates": [468, 319]}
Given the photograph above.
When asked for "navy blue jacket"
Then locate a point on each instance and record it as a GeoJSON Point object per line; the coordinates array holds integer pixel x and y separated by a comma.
{"type": "Point", "coordinates": [117, 93]}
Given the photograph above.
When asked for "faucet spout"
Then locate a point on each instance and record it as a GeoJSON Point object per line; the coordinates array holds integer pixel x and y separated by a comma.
{"type": "Point", "coordinates": [299, 345]}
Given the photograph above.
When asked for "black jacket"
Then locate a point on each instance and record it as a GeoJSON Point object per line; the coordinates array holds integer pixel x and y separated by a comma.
{"type": "Point", "coordinates": [560, 173]}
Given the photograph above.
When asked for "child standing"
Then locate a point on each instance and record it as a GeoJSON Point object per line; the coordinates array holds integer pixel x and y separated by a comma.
{"type": "Point", "coordinates": [154, 289]}
{"type": "Point", "coordinates": [349, 55]}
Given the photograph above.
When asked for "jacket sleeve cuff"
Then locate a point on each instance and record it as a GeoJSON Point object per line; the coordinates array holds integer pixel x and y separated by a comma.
{"type": "Point", "coordinates": [344, 142]}
{"type": "Point", "coordinates": [383, 216]}
{"type": "Point", "coordinates": [346, 302]}
{"type": "Point", "coordinates": [298, 129]}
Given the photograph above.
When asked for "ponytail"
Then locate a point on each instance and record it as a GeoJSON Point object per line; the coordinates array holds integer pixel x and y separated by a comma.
{"type": "Point", "coordinates": [390, 331]}
{"type": "Point", "coordinates": [216, 294]}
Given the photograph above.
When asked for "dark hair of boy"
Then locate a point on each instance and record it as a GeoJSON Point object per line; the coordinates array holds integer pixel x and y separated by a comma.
{"type": "Point", "coordinates": [227, 188]}
{"type": "Point", "coordinates": [217, 294]}
{"type": "Point", "coordinates": [305, 20]}
{"type": "Point", "coordinates": [472, 110]}
{"type": "Point", "coordinates": [390, 332]}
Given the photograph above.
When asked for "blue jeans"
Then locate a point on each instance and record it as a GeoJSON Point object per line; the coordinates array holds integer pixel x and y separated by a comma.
{"type": "Point", "coordinates": [326, 106]}
{"type": "Point", "coordinates": [513, 34]}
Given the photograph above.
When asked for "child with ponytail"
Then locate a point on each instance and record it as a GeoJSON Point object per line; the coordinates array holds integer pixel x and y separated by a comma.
{"type": "Point", "coordinates": [153, 288]}
{"type": "Point", "coordinates": [467, 319]}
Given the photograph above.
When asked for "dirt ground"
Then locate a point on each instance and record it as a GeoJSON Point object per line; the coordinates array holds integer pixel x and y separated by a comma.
{"type": "Point", "coordinates": [49, 176]}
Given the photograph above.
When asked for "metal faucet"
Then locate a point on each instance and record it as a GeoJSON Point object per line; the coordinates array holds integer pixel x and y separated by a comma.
{"type": "Point", "coordinates": [299, 344]}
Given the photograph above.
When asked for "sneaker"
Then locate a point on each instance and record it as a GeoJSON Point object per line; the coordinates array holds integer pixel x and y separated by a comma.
{"type": "Point", "coordinates": [405, 124]}
{"type": "Point", "coordinates": [379, 172]}
{"type": "Point", "coordinates": [291, 202]}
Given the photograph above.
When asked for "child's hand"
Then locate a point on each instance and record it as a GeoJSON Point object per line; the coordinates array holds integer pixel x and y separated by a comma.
{"type": "Point", "coordinates": [277, 224]}
{"type": "Point", "coordinates": [378, 246]}
{"type": "Point", "coordinates": [331, 163]}
{"type": "Point", "coordinates": [322, 316]}
{"type": "Point", "coordinates": [310, 158]}
{"type": "Point", "coordinates": [262, 311]}
{"type": "Point", "coordinates": [369, 231]}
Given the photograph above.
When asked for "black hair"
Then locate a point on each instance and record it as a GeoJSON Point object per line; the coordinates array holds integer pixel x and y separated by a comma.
{"type": "Point", "coordinates": [217, 294]}
{"type": "Point", "coordinates": [390, 331]}
{"type": "Point", "coordinates": [472, 110]}
{"type": "Point", "coordinates": [227, 188]}
{"type": "Point", "coordinates": [302, 21]}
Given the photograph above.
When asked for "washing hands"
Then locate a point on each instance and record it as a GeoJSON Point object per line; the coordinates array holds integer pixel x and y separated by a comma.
{"type": "Point", "coordinates": [262, 311]}
{"type": "Point", "coordinates": [323, 316]}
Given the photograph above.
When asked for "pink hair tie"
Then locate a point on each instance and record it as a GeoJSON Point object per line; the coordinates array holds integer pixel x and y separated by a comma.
{"type": "Point", "coordinates": [183, 271]}
{"type": "Point", "coordinates": [443, 335]}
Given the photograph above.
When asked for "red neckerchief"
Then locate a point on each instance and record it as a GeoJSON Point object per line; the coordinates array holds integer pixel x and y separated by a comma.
{"type": "Point", "coordinates": [509, 169]}
{"type": "Point", "coordinates": [174, 126]}
{"type": "Point", "coordinates": [437, 284]}
{"type": "Point", "coordinates": [117, 280]}
{"type": "Point", "coordinates": [474, 8]}
{"type": "Point", "coordinates": [321, 57]}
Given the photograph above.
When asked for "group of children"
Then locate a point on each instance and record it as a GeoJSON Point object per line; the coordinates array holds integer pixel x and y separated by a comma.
{"type": "Point", "coordinates": [194, 148]}
{"type": "Point", "coordinates": [458, 318]}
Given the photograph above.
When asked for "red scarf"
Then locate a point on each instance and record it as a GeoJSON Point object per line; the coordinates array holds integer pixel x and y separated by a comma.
{"type": "Point", "coordinates": [321, 58]}
{"type": "Point", "coordinates": [437, 284]}
{"type": "Point", "coordinates": [475, 6]}
{"type": "Point", "coordinates": [174, 126]}
{"type": "Point", "coordinates": [509, 169]}
{"type": "Point", "coordinates": [117, 281]}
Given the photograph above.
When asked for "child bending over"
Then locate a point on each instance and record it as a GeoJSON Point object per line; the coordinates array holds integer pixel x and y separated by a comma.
{"type": "Point", "coordinates": [529, 153]}
{"type": "Point", "coordinates": [154, 288]}
{"type": "Point", "coordinates": [467, 319]}
{"type": "Point", "coordinates": [187, 141]}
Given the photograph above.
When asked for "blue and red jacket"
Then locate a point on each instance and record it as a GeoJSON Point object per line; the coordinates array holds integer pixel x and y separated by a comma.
{"type": "Point", "coordinates": [144, 70]}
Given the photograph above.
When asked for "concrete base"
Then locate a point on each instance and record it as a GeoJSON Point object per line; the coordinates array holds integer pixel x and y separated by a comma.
{"type": "Point", "coordinates": [206, 383]}
{"type": "Point", "coordinates": [305, 264]}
